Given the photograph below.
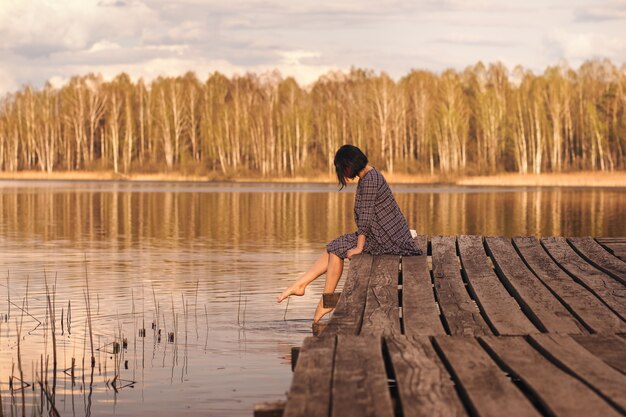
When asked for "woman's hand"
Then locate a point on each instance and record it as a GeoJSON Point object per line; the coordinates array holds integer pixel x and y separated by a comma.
{"type": "Point", "coordinates": [360, 244]}
{"type": "Point", "coordinates": [353, 252]}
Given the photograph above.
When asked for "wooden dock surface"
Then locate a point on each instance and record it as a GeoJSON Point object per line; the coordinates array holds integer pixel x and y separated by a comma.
{"type": "Point", "coordinates": [474, 327]}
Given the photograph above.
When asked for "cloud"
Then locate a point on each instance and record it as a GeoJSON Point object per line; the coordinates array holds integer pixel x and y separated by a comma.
{"type": "Point", "coordinates": [7, 81]}
{"type": "Point", "coordinates": [577, 47]}
{"type": "Point", "coordinates": [289, 65]}
{"type": "Point", "coordinates": [294, 57]}
{"type": "Point", "coordinates": [104, 46]}
{"type": "Point", "coordinates": [71, 25]}
{"type": "Point", "coordinates": [472, 40]}
{"type": "Point", "coordinates": [45, 39]}
{"type": "Point", "coordinates": [615, 10]}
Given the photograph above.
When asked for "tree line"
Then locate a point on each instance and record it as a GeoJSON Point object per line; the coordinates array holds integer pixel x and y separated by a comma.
{"type": "Point", "coordinates": [482, 120]}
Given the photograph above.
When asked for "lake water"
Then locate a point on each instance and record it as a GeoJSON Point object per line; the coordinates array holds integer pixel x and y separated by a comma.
{"type": "Point", "coordinates": [202, 264]}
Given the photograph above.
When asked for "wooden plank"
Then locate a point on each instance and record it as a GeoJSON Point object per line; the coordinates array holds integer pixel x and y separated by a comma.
{"type": "Point", "coordinates": [610, 291]}
{"type": "Point", "coordinates": [563, 350]}
{"type": "Point", "coordinates": [330, 300]}
{"type": "Point", "coordinates": [584, 305]}
{"type": "Point", "coordinates": [424, 385]}
{"type": "Point", "coordinates": [461, 313]}
{"type": "Point", "coordinates": [619, 246]}
{"type": "Point", "coordinates": [420, 313]}
{"type": "Point", "coordinates": [348, 314]}
{"type": "Point", "coordinates": [595, 254]}
{"type": "Point", "coordinates": [610, 348]}
{"type": "Point", "coordinates": [560, 393]}
{"type": "Point", "coordinates": [382, 313]}
{"type": "Point", "coordinates": [487, 390]}
{"type": "Point", "coordinates": [270, 409]}
{"type": "Point", "coordinates": [616, 246]}
{"type": "Point", "coordinates": [621, 239]}
{"type": "Point", "coordinates": [422, 243]}
{"type": "Point", "coordinates": [295, 351]}
{"type": "Point", "coordinates": [360, 379]}
{"type": "Point", "coordinates": [310, 391]}
{"type": "Point", "coordinates": [546, 312]}
{"type": "Point", "coordinates": [502, 311]}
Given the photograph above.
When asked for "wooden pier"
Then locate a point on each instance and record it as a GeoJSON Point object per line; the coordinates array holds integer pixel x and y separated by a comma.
{"type": "Point", "coordinates": [475, 327]}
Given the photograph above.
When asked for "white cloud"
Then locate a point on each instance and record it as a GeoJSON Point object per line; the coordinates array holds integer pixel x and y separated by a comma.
{"type": "Point", "coordinates": [48, 39]}
{"type": "Point", "coordinates": [577, 47]}
{"type": "Point", "coordinates": [57, 81]}
{"type": "Point", "coordinates": [70, 24]}
{"type": "Point", "coordinates": [464, 38]}
{"type": "Point", "coordinates": [7, 81]}
{"type": "Point", "coordinates": [104, 46]}
{"type": "Point", "coordinates": [294, 57]}
{"type": "Point", "coordinates": [611, 10]}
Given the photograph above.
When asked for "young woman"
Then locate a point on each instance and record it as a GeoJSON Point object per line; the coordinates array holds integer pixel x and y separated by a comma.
{"type": "Point", "coordinates": [382, 229]}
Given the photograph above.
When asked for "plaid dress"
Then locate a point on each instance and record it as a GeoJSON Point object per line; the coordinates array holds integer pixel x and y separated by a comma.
{"type": "Point", "coordinates": [379, 218]}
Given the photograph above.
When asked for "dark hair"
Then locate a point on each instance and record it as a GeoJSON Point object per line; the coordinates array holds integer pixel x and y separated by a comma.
{"type": "Point", "coordinates": [349, 161]}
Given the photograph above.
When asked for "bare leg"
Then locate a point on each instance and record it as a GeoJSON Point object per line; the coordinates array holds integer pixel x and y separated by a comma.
{"type": "Point", "coordinates": [333, 274]}
{"type": "Point", "coordinates": [297, 288]}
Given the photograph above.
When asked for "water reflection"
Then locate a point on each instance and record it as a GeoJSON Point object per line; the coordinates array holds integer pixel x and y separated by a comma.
{"type": "Point", "coordinates": [285, 218]}
{"type": "Point", "coordinates": [182, 280]}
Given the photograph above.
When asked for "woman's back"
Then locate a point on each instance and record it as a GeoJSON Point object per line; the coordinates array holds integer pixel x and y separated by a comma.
{"type": "Point", "coordinates": [378, 216]}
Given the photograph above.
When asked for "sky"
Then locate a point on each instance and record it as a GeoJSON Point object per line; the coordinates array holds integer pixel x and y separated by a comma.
{"type": "Point", "coordinates": [48, 40]}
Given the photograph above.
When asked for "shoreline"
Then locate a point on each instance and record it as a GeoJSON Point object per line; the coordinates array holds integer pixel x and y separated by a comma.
{"type": "Point", "coordinates": [570, 179]}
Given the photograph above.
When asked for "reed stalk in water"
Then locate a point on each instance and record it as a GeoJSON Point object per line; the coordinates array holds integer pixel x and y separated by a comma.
{"type": "Point", "coordinates": [51, 314]}
{"type": "Point", "coordinates": [195, 308]}
{"type": "Point", "coordinates": [239, 305]}
{"type": "Point", "coordinates": [8, 294]}
{"type": "Point", "coordinates": [69, 317]}
{"type": "Point", "coordinates": [88, 306]}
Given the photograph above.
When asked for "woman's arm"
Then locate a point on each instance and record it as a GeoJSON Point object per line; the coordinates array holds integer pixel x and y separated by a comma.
{"type": "Point", "coordinates": [365, 207]}
{"type": "Point", "coordinates": [360, 244]}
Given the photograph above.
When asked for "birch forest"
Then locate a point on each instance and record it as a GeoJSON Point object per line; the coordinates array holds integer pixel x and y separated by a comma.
{"type": "Point", "coordinates": [485, 119]}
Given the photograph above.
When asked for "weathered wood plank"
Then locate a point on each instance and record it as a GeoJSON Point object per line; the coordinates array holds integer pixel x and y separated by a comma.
{"type": "Point", "coordinates": [538, 303]}
{"type": "Point", "coordinates": [310, 391]}
{"type": "Point", "coordinates": [360, 380]}
{"type": "Point", "coordinates": [424, 386]}
{"type": "Point", "coordinates": [348, 314]}
{"type": "Point", "coordinates": [485, 386]}
{"type": "Point", "coordinates": [611, 291]}
{"type": "Point", "coordinates": [382, 313]}
{"type": "Point", "coordinates": [461, 313]}
{"type": "Point", "coordinates": [619, 239]}
{"type": "Point", "coordinates": [610, 348]}
{"type": "Point", "coordinates": [270, 409]}
{"type": "Point", "coordinates": [559, 392]}
{"type": "Point", "coordinates": [502, 311]}
{"type": "Point", "coordinates": [422, 243]}
{"type": "Point", "coordinates": [563, 350]}
{"type": "Point", "coordinates": [586, 306]}
{"type": "Point", "coordinates": [616, 247]}
{"type": "Point", "coordinates": [330, 300]}
{"type": "Point", "coordinates": [595, 254]}
{"type": "Point", "coordinates": [420, 313]}
{"type": "Point", "coordinates": [295, 351]}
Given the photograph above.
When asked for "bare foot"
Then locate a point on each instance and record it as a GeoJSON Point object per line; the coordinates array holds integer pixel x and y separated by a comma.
{"type": "Point", "coordinates": [294, 289]}
{"type": "Point", "coordinates": [320, 312]}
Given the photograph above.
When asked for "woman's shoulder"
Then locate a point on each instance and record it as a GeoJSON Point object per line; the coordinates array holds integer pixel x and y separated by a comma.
{"type": "Point", "coordinates": [375, 176]}
{"type": "Point", "coordinates": [372, 178]}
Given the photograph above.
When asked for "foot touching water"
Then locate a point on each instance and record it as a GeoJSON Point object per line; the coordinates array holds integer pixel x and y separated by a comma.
{"type": "Point", "coordinates": [294, 289]}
